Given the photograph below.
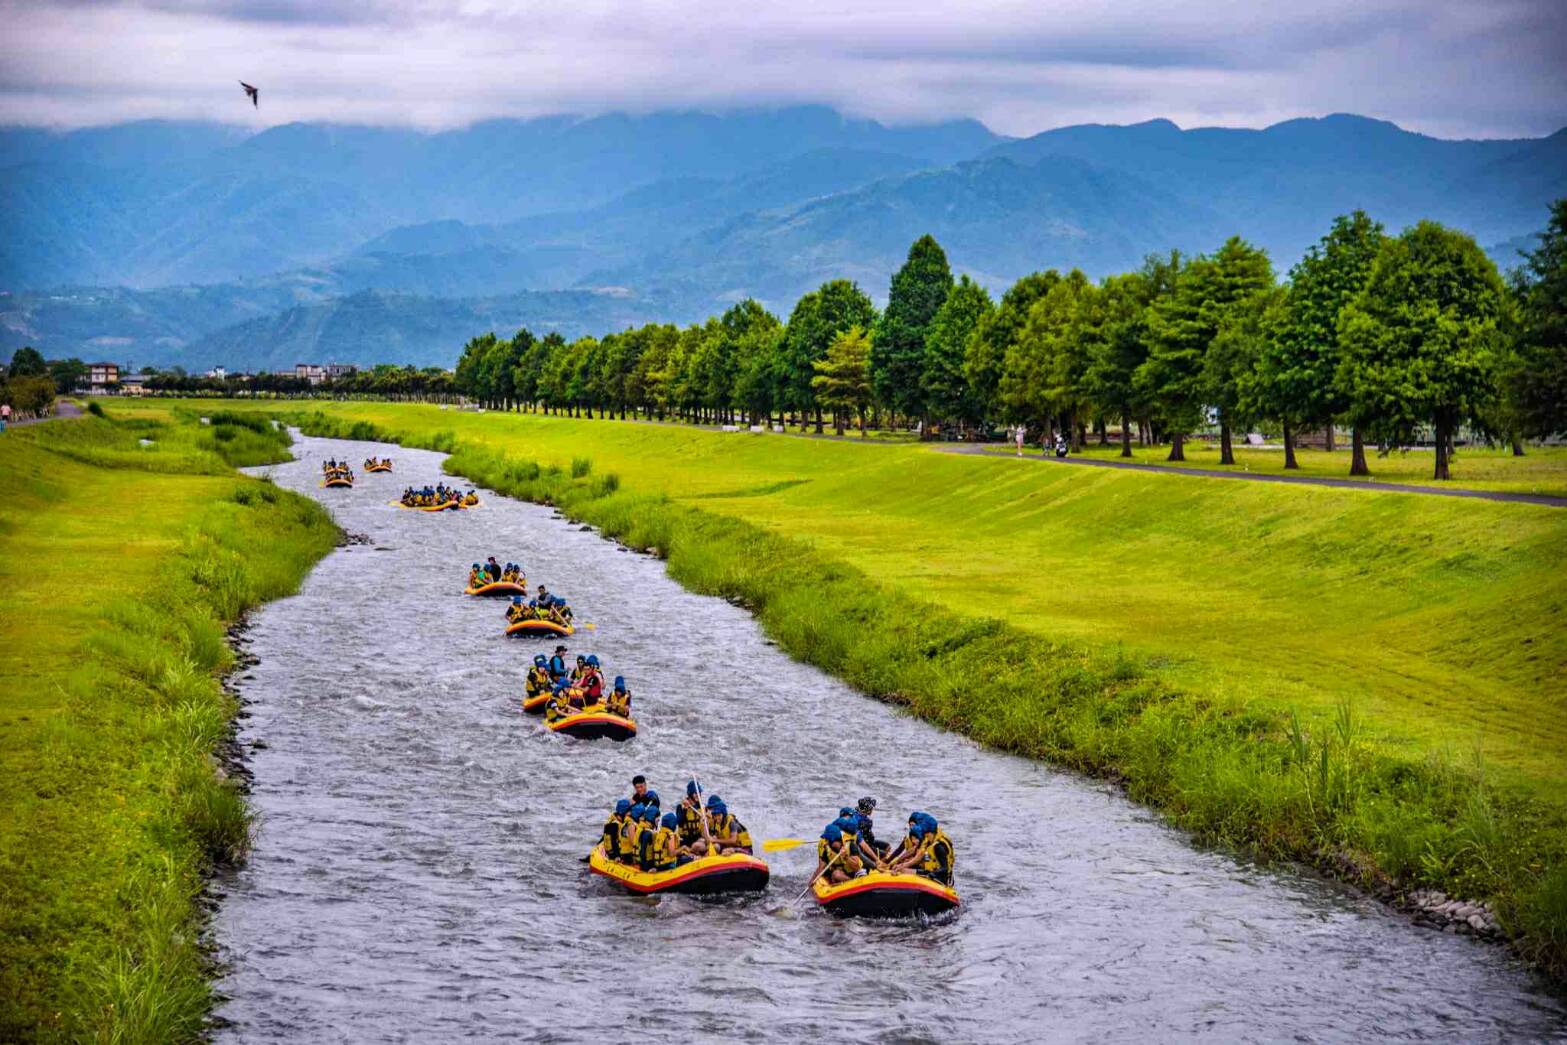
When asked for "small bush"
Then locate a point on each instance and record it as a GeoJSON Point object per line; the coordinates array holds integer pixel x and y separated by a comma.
{"type": "Point", "coordinates": [580, 467]}
{"type": "Point", "coordinates": [96, 409]}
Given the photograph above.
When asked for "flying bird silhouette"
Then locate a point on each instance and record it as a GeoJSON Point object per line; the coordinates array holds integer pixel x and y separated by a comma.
{"type": "Point", "coordinates": [253, 92]}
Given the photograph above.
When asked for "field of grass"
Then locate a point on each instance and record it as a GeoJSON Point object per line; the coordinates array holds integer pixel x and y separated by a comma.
{"type": "Point", "coordinates": [119, 565]}
{"type": "Point", "coordinates": [1360, 679]}
{"type": "Point", "coordinates": [1542, 470]}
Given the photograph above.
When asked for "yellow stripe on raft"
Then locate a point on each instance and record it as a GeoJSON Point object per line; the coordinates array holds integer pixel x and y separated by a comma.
{"type": "Point", "coordinates": [538, 627]}
{"type": "Point", "coordinates": [498, 588]}
{"type": "Point", "coordinates": [726, 873]}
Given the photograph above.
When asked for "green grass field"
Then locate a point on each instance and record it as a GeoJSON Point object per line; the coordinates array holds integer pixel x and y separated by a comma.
{"type": "Point", "coordinates": [1163, 629]}
{"type": "Point", "coordinates": [119, 563]}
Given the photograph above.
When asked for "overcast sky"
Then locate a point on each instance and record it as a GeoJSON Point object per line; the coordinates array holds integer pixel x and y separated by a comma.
{"type": "Point", "coordinates": [1452, 68]}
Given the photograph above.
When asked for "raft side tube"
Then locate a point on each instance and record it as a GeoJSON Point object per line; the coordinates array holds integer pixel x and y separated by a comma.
{"type": "Point", "coordinates": [534, 705]}
{"type": "Point", "coordinates": [538, 627]}
{"type": "Point", "coordinates": [594, 725]}
{"type": "Point", "coordinates": [498, 588]}
{"type": "Point", "coordinates": [705, 876]}
{"type": "Point", "coordinates": [882, 895]}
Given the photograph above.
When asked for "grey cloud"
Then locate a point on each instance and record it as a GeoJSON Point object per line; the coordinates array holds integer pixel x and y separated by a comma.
{"type": "Point", "coordinates": [1442, 66]}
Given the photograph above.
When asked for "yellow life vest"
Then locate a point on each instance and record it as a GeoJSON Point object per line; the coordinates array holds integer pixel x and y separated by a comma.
{"type": "Point", "coordinates": [630, 830]}
{"type": "Point", "coordinates": [690, 822]}
{"type": "Point", "coordinates": [937, 858]}
{"type": "Point", "coordinates": [724, 824]}
{"type": "Point", "coordinates": [662, 858]}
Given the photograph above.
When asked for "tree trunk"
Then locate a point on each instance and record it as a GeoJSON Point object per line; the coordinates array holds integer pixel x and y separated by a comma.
{"type": "Point", "coordinates": [1517, 446]}
{"type": "Point", "coordinates": [1357, 458]}
{"type": "Point", "coordinates": [1104, 432]}
{"type": "Point", "coordinates": [1177, 449]}
{"type": "Point", "coordinates": [1442, 451]}
{"type": "Point", "coordinates": [862, 422]}
{"type": "Point", "coordinates": [1126, 436]}
{"type": "Point", "coordinates": [1226, 447]}
{"type": "Point", "coordinates": [818, 420]}
{"type": "Point", "coordinates": [837, 423]}
{"type": "Point", "coordinates": [1327, 438]}
{"type": "Point", "coordinates": [1289, 448]}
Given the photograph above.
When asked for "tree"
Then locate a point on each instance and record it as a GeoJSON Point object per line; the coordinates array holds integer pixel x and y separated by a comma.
{"type": "Point", "coordinates": [1111, 378]}
{"type": "Point", "coordinates": [1041, 372]}
{"type": "Point", "coordinates": [67, 373]}
{"type": "Point", "coordinates": [1183, 326]}
{"type": "Point", "coordinates": [27, 362]}
{"type": "Point", "coordinates": [1419, 344]}
{"type": "Point", "coordinates": [1536, 378]}
{"type": "Point", "coordinates": [986, 351]}
{"type": "Point", "coordinates": [843, 379]}
{"type": "Point", "coordinates": [918, 291]}
{"type": "Point", "coordinates": [942, 383]}
{"type": "Point", "coordinates": [818, 318]}
{"type": "Point", "coordinates": [1230, 363]}
{"type": "Point", "coordinates": [1294, 379]}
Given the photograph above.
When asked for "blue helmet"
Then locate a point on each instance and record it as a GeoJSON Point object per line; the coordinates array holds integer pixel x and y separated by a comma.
{"type": "Point", "coordinates": [691, 788]}
{"type": "Point", "coordinates": [476, 566]}
{"type": "Point", "coordinates": [650, 814]}
{"type": "Point", "coordinates": [714, 800]}
{"type": "Point", "coordinates": [620, 682]}
{"type": "Point", "coordinates": [516, 600]}
{"type": "Point", "coordinates": [832, 834]}
{"type": "Point", "coordinates": [636, 810]}
{"type": "Point", "coordinates": [652, 798]}
{"type": "Point", "coordinates": [593, 660]}
{"type": "Point", "coordinates": [847, 825]}
{"type": "Point", "coordinates": [928, 822]}
{"type": "Point", "coordinates": [623, 807]}
{"type": "Point", "coordinates": [669, 820]}
{"type": "Point", "coordinates": [845, 812]}
{"type": "Point", "coordinates": [717, 808]}
{"type": "Point", "coordinates": [538, 658]}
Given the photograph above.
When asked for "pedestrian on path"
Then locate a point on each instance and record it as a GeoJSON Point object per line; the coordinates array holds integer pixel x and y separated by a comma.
{"type": "Point", "coordinates": [1021, 435]}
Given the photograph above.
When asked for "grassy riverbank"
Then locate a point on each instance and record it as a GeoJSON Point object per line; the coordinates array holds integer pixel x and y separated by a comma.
{"type": "Point", "coordinates": [121, 561]}
{"type": "Point", "coordinates": [1372, 682]}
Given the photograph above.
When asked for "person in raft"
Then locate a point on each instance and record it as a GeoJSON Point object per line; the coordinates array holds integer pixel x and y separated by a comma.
{"type": "Point", "coordinates": [835, 859]}
{"type": "Point", "coordinates": [869, 847]}
{"type": "Point", "coordinates": [619, 700]}
{"type": "Point", "coordinates": [538, 680]}
{"type": "Point", "coordinates": [558, 664]}
{"type": "Point", "coordinates": [512, 574]}
{"type": "Point", "coordinates": [641, 794]}
{"type": "Point", "coordinates": [927, 851]}
{"type": "Point", "coordinates": [517, 611]}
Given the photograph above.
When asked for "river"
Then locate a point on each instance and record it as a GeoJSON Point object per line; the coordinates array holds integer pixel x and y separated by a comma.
{"type": "Point", "coordinates": [417, 876]}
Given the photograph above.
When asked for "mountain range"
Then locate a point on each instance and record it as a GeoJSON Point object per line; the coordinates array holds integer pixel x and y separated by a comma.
{"type": "Point", "coordinates": [198, 244]}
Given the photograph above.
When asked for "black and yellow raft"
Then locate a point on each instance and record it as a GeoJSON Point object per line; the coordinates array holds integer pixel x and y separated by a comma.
{"type": "Point", "coordinates": [594, 724]}
{"type": "Point", "coordinates": [882, 895]}
{"type": "Point", "coordinates": [495, 588]}
{"type": "Point", "coordinates": [539, 627]}
{"type": "Point", "coordinates": [338, 481]}
{"type": "Point", "coordinates": [533, 703]}
{"type": "Point", "coordinates": [724, 873]}
{"type": "Point", "coordinates": [445, 506]}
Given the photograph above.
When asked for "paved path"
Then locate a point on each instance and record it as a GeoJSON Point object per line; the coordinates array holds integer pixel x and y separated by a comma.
{"type": "Point", "coordinates": [63, 408]}
{"type": "Point", "coordinates": [1545, 500]}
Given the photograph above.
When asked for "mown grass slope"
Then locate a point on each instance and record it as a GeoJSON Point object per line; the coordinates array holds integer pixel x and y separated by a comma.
{"type": "Point", "coordinates": [119, 564]}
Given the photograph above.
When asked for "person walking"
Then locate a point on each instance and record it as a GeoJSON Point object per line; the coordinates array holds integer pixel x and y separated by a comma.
{"type": "Point", "coordinates": [1020, 433]}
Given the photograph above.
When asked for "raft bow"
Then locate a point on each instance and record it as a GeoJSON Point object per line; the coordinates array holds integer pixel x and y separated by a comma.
{"type": "Point", "coordinates": [538, 627]}
{"type": "Point", "coordinates": [878, 894]}
{"type": "Point", "coordinates": [497, 588]}
{"type": "Point", "coordinates": [704, 876]}
{"type": "Point", "coordinates": [594, 724]}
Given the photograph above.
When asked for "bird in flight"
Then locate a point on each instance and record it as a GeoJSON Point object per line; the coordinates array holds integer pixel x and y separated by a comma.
{"type": "Point", "coordinates": [253, 92]}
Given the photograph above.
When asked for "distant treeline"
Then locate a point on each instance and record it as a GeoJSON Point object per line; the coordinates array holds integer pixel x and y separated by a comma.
{"type": "Point", "coordinates": [1390, 336]}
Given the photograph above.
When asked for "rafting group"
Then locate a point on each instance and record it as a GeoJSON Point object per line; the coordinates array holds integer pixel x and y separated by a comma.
{"type": "Point", "coordinates": [702, 848]}
{"type": "Point", "coordinates": [336, 473]}
{"type": "Point", "coordinates": [378, 464]}
{"type": "Point", "coordinates": [438, 498]}
{"type": "Point", "coordinates": [576, 701]}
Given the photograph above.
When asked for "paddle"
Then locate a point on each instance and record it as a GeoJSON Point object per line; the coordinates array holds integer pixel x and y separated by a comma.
{"type": "Point", "coordinates": [825, 868]}
{"type": "Point", "coordinates": [778, 845]}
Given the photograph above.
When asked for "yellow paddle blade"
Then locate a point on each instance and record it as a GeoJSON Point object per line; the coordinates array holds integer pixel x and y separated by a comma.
{"type": "Point", "coordinates": [773, 845]}
{"type": "Point", "coordinates": [589, 626]}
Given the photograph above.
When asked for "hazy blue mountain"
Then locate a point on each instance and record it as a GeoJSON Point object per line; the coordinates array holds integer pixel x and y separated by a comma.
{"type": "Point", "coordinates": [377, 327]}
{"type": "Point", "coordinates": [996, 218]}
{"type": "Point", "coordinates": [150, 204]}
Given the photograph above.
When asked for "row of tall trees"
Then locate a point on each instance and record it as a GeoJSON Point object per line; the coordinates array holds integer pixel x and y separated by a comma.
{"type": "Point", "coordinates": [1394, 337]}
{"type": "Point", "coordinates": [28, 382]}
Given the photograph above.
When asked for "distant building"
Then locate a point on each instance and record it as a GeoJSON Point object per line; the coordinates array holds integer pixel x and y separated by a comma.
{"type": "Point", "coordinates": [337, 370]}
{"type": "Point", "coordinates": [102, 377]}
{"type": "Point", "coordinates": [133, 384]}
{"type": "Point", "coordinates": [312, 372]}
{"type": "Point", "coordinates": [217, 372]}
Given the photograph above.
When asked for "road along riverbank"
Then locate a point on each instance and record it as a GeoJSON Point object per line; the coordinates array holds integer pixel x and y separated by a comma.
{"type": "Point", "coordinates": [1328, 786]}
{"type": "Point", "coordinates": [126, 549]}
{"type": "Point", "coordinates": [418, 875]}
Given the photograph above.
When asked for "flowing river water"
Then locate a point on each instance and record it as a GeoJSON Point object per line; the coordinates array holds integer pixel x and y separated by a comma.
{"type": "Point", "coordinates": [417, 871]}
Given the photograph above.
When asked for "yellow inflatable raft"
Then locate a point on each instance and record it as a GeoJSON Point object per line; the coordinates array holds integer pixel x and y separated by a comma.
{"type": "Point", "coordinates": [386, 467]}
{"type": "Point", "coordinates": [338, 481]}
{"type": "Point", "coordinates": [449, 506]}
{"type": "Point", "coordinates": [728, 873]}
{"type": "Point", "coordinates": [882, 895]}
{"type": "Point", "coordinates": [534, 703]}
{"type": "Point", "coordinates": [495, 588]}
{"type": "Point", "coordinates": [594, 724]}
{"type": "Point", "coordinates": [538, 627]}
